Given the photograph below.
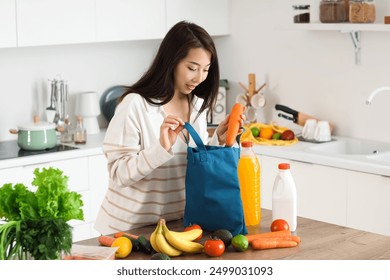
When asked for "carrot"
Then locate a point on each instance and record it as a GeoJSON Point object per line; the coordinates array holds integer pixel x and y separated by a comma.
{"type": "Point", "coordinates": [280, 233]}
{"type": "Point", "coordinates": [272, 243]}
{"type": "Point", "coordinates": [294, 238]}
{"type": "Point", "coordinates": [121, 233]}
{"type": "Point", "coordinates": [106, 240]}
{"type": "Point", "coordinates": [234, 123]}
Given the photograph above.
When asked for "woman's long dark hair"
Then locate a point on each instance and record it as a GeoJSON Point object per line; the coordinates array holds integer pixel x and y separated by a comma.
{"type": "Point", "coordinates": [158, 80]}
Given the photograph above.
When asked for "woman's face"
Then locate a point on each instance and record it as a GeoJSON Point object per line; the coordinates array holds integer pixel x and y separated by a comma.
{"type": "Point", "coordinates": [192, 70]}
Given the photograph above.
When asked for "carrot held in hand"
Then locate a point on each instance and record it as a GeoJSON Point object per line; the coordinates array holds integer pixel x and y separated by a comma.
{"type": "Point", "coordinates": [106, 240]}
{"type": "Point", "coordinates": [234, 123]}
{"type": "Point", "coordinates": [272, 243]}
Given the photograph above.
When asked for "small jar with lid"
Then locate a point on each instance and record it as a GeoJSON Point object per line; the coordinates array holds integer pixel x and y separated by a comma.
{"type": "Point", "coordinates": [332, 11]}
{"type": "Point", "coordinates": [362, 11]}
{"type": "Point", "coordinates": [80, 133]}
{"type": "Point", "coordinates": [301, 13]}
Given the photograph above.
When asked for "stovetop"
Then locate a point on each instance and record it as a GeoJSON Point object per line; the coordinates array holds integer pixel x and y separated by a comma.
{"type": "Point", "coordinates": [10, 149]}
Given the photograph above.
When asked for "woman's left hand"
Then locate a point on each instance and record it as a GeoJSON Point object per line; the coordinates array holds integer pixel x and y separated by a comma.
{"type": "Point", "coordinates": [223, 127]}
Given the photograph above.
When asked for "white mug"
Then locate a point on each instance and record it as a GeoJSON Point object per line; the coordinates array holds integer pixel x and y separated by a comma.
{"type": "Point", "coordinates": [257, 101]}
{"type": "Point", "coordinates": [251, 114]}
{"type": "Point", "coordinates": [322, 132]}
{"type": "Point", "coordinates": [309, 129]}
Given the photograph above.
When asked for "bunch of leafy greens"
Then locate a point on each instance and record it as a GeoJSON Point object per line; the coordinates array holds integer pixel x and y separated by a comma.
{"type": "Point", "coordinates": [36, 222]}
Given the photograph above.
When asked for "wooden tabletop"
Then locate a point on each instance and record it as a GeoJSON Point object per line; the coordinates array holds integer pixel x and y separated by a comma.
{"type": "Point", "coordinates": [320, 241]}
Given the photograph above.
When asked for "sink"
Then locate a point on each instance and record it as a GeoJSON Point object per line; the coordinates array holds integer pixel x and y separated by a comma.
{"type": "Point", "coordinates": [381, 157]}
{"type": "Point", "coordinates": [373, 149]}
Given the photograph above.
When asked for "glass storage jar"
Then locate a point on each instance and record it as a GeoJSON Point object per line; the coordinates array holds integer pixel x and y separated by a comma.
{"type": "Point", "coordinates": [362, 11]}
{"type": "Point", "coordinates": [301, 13]}
{"type": "Point", "coordinates": [346, 7]}
{"type": "Point", "coordinates": [332, 11]}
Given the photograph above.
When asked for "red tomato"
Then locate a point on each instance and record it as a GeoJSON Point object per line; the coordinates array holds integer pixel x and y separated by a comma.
{"type": "Point", "coordinates": [194, 226]}
{"type": "Point", "coordinates": [214, 247]}
{"type": "Point", "coordinates": [279, 224]}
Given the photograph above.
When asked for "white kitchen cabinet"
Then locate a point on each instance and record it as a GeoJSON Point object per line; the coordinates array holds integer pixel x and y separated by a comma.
{"type": "Point", "coordinates": [54, 22]}
{"type": "Point", "coordinates": [268, 171]}
{"type": "Point", "coordinates": [7, 24]}
{"type": "Point", "coordinates": [121, 20]}
{"type": "Point", "coordinates": [321, 190]}
{"type": "Point", "coordinates": [214, 15]}
{"type": "Point", "coordinates": [368, 206]}
{"type": "Point", "coordinates": [14, 175]}
{"type": "Point", "coordinates": [87, 175]}
{"type": "Point", "coordinates": [51, 22]}
{"type": "Point", "coordinates": [98, 181]}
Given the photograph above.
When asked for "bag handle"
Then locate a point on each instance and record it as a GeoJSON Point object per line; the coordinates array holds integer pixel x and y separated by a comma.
{"type": "Point", "coordinates": [198, 141]}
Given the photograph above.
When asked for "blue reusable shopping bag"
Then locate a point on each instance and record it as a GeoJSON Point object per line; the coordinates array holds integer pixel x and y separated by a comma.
{"type": "Point", "coordinates": [213, 198]}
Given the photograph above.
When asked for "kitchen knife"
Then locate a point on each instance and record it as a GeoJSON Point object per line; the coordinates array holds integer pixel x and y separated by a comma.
{"type": "Point", "coordinates": [298, 117]}
{"type": "Point", "coordinates": [287, 117]}
{"type": "Point", "coordinates": [288, 110]}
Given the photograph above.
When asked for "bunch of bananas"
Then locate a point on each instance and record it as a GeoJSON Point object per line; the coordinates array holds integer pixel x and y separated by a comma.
{"type": "Point", "coordinates": [174, 243]}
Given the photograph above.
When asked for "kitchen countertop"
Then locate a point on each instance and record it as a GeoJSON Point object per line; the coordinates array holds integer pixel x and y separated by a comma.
{"type": "Point", "coordinates": [297, 152]}
{"type": "Point", "coordinates": [320, 241]}
{"type": "Point", "coordinates": [300, 152]}
{"type": "Point", "coordinates": [92, 147]}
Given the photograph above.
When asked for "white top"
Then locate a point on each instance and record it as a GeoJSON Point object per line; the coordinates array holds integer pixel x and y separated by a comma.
{"type": "Point", "coordinates": [146, 182]}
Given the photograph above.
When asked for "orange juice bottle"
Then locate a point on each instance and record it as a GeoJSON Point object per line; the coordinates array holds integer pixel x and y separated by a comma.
{"type": "Point", "coordinates": [249, 178]}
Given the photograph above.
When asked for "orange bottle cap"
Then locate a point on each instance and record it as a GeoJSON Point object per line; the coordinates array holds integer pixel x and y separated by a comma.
{"type": "Point", "coordinates": [284, 166]}
{"type": "Point", "coordinates": [246, 144]}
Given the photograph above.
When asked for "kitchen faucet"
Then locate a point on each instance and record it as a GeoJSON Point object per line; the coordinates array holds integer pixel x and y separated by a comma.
{"type": "Point", "coordinates": [372, 95]}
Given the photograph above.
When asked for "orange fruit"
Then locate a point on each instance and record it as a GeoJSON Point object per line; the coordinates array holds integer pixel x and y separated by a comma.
{"type": "Point", "coordinates": [125, 247]}
{"type": "Point", "coordinates": [266, 132]}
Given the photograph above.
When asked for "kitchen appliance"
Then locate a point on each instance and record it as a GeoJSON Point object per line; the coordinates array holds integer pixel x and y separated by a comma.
{"type": "Point", "coordinates": [296, 117]}
{"type": "Point", "coordinates": [218, 114]}
{"type": "Point", "coordinates": [11, 149]}
{"type": "Point", "coordinates": [87, 107]}
{"type": "Point", "coordinates": [109, 101]}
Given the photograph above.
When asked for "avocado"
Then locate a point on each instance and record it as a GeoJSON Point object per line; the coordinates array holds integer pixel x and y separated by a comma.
{"type": "Point", "coordinates": [223, 234]}
{"type": "Point", "coordinates": [144, 245]}
{"type": "Point", "coordinates": [160, 256]}
{"type": "Point", "coordinates": [134, 242]}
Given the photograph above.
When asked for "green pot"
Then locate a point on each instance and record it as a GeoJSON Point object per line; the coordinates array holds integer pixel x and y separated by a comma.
{"type": "Point", "coordinates": [37, 136]}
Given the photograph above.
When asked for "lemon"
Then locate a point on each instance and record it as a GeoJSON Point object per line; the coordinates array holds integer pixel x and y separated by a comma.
{"type": "Point", "coordinates": [240, 242]}
{"type": "Point", "coordinates": [124, 247]}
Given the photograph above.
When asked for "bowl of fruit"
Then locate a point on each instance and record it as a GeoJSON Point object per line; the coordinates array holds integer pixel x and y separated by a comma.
{"type": "Point", "coordinates": [268, 134]}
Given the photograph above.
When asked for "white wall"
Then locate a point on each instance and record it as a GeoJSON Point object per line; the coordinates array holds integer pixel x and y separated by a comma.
{"type": "Point", "coordinates": [24, 74]}
{"type": "Point", "coordinates": [311, 71]}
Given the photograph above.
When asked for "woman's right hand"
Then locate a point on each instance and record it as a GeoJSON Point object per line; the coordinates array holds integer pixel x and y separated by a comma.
{"type": "Point", "coordinates": [169, 130]}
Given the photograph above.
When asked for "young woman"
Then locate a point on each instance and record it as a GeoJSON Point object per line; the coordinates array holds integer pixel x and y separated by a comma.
{"type": "Point", "coordinates": [145, 143]}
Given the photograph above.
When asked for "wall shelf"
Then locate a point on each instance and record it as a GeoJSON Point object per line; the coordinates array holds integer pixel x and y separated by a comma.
{"type": "Point", "coordinates": [354, 29]}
